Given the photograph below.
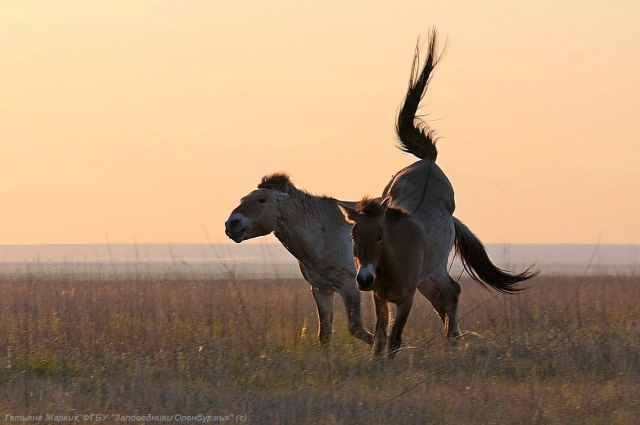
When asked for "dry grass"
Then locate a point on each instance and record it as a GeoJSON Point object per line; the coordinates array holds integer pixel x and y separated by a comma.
{"type": "Point", "coordinates": [566, 351]}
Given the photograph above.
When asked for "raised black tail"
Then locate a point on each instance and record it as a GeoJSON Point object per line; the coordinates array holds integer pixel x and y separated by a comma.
{"type": "Point", "coordinates": [477, 263]}
{"type": "Point", "coordinates": [414, 135]}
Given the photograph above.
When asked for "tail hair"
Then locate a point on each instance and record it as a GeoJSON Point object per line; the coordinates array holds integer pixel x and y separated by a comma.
{"type": "Point", "coordinates": [477, 263]}
{"type": "Point", "coordinates": [414, 135]}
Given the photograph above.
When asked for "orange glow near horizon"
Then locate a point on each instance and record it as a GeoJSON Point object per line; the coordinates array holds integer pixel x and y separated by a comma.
{"type": "Point", "coordinates": [148, 121]}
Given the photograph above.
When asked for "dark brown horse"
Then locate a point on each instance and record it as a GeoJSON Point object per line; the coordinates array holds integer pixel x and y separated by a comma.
{"type": "Point", "coordinates": [403, 243]}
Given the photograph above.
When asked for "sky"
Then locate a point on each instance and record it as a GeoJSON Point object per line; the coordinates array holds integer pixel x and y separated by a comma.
{"type": "Point", "coordinates": [146, 122]}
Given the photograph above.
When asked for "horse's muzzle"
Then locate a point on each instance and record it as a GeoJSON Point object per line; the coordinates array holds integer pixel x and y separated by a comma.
{"type": "Point", "coordinates": [366, 278]}
{"type": "Point", "coordinates": [235, 228]}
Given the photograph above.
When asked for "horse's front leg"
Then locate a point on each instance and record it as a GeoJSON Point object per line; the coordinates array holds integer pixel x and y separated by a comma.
{"type": "Point", "coordinates": [402, 314]}
{"type": "Point", "coordinates": [382, 321]}
{"type": "Point", "coordinates": [324, 302]}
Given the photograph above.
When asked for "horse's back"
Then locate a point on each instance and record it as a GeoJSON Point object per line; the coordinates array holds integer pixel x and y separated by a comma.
{"type": "Point", "coordinates": [421, 187]}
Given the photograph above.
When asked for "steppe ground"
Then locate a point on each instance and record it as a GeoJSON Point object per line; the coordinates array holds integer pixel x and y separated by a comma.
{"type": "Point", "coordinates": [142, 345]}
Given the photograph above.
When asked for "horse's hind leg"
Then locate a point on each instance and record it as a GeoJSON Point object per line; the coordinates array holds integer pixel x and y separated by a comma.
{"type": "Point", "coordinates": [452, 327]}
{"type": "Point", "coordinates": [324, 302]}
{"type": "Point", "coordinates": [443, 292]}
{"type": "Point", "coordinates": [432, 292]}
{"type": "Point", "coordinates": [351, 297]}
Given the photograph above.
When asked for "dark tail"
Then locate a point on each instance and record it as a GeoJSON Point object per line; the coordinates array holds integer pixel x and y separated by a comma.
{"type": "Point", "coordinates": [414, 136]}
{"type": "Point", "coordinates": [477, 263]}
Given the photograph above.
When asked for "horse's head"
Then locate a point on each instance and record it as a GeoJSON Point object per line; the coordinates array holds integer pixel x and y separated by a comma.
{"type": "Point", "coordinates": [367, 234]}
{"type": "Point", "coordinates": [257, 215]}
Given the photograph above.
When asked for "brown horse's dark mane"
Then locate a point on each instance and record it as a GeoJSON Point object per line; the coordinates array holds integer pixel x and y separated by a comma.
{"type": "Point", "coordinates": [370, 207]}
{"type": "Point", "coordinates": [394, 213]}
{"type": "Point", "coordinates": [373, 207]}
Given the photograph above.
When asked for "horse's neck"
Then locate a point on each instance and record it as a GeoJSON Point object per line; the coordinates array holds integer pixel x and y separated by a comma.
{"type": "Point", "coordinates": [298, 230]}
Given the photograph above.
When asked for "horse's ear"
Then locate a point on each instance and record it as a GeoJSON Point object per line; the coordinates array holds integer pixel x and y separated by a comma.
{"type": "Point", "coordinates": [350, 214]}
{"type": "Point", "coordinates": [394, 213]}
{"type": "Point", "coordinates": [385, 203]}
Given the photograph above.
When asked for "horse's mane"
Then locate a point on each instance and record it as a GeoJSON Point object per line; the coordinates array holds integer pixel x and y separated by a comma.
{"type": "Point", "coordinates": [276, 181]}
{"type": "Point", "coordinates": [414, 135]}
{"type": "Point", "coordinates": [282, 183]}
{"type": "Point", "coordinates": [373, 207]}
{"type": "Point", "coordinates": [370, 207]}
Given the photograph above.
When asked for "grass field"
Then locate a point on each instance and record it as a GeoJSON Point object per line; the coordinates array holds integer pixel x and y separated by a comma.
{"type": "Point", "coordinates": [144, 346]}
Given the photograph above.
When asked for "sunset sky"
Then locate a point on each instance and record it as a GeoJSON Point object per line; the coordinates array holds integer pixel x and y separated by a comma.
{"type": "Point", "coordinates": [141, 121]}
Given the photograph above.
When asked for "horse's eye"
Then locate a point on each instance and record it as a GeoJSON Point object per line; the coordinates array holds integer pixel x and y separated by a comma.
{"type": "Point", "coordinates": [379, 238]}
{"type": "Point", "coordinates": [262, 200]}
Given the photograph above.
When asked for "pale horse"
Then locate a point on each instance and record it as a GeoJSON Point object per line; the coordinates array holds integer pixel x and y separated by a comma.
{"type": "Point", "coordinates": [313, 229]}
